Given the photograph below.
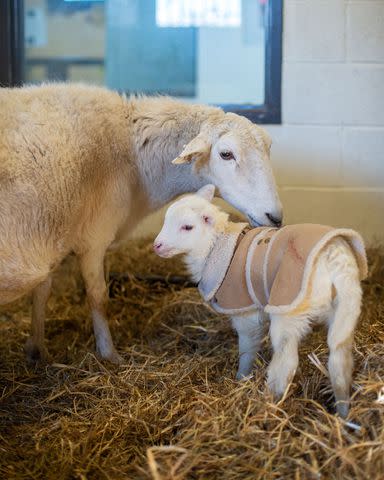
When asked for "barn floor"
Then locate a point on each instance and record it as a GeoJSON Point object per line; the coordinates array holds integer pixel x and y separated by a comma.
{"type": "Point", "coordinates": [173, 410]}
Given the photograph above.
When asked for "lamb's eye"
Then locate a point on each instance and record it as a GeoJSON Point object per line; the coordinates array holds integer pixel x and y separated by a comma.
{"type": "Point", "coordinates": [227, 155]}
{"type": "Point", "coordinates": [187, 227]}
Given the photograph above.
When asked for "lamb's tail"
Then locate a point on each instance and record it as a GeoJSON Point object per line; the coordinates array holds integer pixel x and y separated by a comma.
{"type": "Point", "coordinates": [345, 277]}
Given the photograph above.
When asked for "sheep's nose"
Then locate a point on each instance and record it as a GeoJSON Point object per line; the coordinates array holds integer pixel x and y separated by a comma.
{"type": "Point", "coordinates": [275, 220]}
{"type": "Point", "coordinates": [157, 246]}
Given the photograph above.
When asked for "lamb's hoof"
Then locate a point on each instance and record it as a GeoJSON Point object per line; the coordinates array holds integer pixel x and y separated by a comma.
{"type": "Point", "coordinates": [243, 376]}
{"type": "Point", "coordinates": [276, 389]}
{"type": "Point", "coordinates": [276, 397]}
{"type": "Point", "coordinates": [278, 384]}
{"type": "Point", "coordinates": [35, 353]}
{"type": "Point", "coordinates": [112, 357]}
{"type": "Point", "coordinates": [342, 408]}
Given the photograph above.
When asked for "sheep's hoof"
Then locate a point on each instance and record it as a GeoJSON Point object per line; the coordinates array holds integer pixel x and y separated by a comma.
{"type": "Point", "coordinates": [35, 353]}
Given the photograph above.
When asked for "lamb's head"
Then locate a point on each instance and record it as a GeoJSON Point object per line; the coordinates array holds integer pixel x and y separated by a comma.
{"type": "Point", "coordinates": [190, 225]}
{"type": "Point", "coordinates": [233, 154]}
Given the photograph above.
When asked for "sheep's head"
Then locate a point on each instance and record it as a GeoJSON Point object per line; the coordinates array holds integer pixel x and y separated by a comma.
{"type": "Point", "coordinates": [189, 224]}
{"type": "Point", "coordinates": [233, 154]}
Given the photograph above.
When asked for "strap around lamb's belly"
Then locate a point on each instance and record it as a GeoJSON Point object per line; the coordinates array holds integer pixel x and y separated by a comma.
{"type": "Point", "coordinates": [233, 295]}
{"type": "Point", "coordinates": [255, 267]}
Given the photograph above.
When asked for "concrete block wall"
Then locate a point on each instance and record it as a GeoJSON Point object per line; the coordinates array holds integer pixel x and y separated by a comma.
{"type": "Point", "coordinates": [328, 154]}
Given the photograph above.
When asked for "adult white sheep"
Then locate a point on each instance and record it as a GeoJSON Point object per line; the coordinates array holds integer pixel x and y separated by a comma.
{"type": "Point", "coordinates": [298, 274]}
{"type": "Point", "coordinates": [80, 166]}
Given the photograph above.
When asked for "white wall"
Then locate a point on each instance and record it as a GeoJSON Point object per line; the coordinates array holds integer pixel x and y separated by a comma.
{"type": "Point", "coordinates": [328, 155]}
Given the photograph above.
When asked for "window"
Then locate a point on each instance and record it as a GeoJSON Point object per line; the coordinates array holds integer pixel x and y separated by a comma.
{"type": "Point", "coordinates": [225, 52]}
{"type": "Point", "coordinates": [192, 13]}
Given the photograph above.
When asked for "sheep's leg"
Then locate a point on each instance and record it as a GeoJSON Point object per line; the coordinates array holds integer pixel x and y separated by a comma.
{"type": "Point", "coordinates": [34, 347]}
{"type": "Point", "coordinates": [340, 341]}
{"type": "Point", "coordinates": [92, 268]}
{"type": "Point", "coordinates": [286, 334]}
{"type": "Point", "coordinates": [250, 329]}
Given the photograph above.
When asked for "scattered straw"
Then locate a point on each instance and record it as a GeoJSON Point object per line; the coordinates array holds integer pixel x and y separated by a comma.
{"type": "Point", "coordinates": [173, 410]}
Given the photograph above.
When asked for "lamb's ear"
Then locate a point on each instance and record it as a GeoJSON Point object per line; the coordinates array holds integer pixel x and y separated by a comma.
{"type": "Point", "coordinates": [198, 148]}
{"type": "Point", "coordinates": [207, 192]}
{"type": "Point", "coordinates": [208, 219]}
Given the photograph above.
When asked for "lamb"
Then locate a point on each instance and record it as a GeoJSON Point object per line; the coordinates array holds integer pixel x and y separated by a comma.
{"type": "Point", "coordinates": [297, 275]}
{"type": "Point", "coordinates": [80, 166]}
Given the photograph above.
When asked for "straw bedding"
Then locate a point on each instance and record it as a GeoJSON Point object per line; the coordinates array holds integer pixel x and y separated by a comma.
{"type": "Point", "coordinates": [173, 410]}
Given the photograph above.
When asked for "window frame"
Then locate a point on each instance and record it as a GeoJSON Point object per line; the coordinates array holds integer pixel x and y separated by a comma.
{"type": "Point", "coordinates": [270, 111]}
{"type": "Point", "coordinates": [12, 59]}
{"type": "Point", "coordinates": [11, 43]}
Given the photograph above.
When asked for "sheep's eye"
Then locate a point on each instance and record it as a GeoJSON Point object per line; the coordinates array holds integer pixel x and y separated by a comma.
{"type": "Point", "coordinates": [187, 227]}
{"type": "Point", "coordinates": [227, 155]}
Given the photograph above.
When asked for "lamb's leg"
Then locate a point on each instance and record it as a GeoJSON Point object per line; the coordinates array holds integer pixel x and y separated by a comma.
{"type": "Point", "coordinates": [286, 334]}
{"type": "Point", "coordinates": [34, 347]}
{"type": "Point", "coordinates": [92, 268]}
{"type": "Point", "coordinates": [250, 329]}
{"type": "Point", "coordinates": [340, 340]}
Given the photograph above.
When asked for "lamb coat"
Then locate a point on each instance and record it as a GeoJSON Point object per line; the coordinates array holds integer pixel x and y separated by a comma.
{"type": "Point", "coordinates": [269, 268]}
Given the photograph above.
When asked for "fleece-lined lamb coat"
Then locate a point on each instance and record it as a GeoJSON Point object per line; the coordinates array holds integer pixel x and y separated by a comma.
{"type": "Point", "coordinates": [268, 267]}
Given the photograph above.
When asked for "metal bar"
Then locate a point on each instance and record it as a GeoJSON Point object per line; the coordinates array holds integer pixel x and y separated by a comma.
{"type": "Point", "coordinates": [64, 60]}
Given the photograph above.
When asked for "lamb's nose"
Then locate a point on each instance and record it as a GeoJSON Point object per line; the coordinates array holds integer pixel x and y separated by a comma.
{"type": "Point", "coordinates": [276, 221]}
{"type": "Point", "coordinates": [157, 246]}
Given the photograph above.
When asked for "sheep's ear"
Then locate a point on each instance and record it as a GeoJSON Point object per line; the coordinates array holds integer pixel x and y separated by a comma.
{"type": "Point", "coordinates": [264, 136]}
{"type": "Point", "coordinates": [267, 140]}
{"type": "Point", "coordinates": [207, 192]}
{"type": "Point", "coordinates": [198, 148]}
